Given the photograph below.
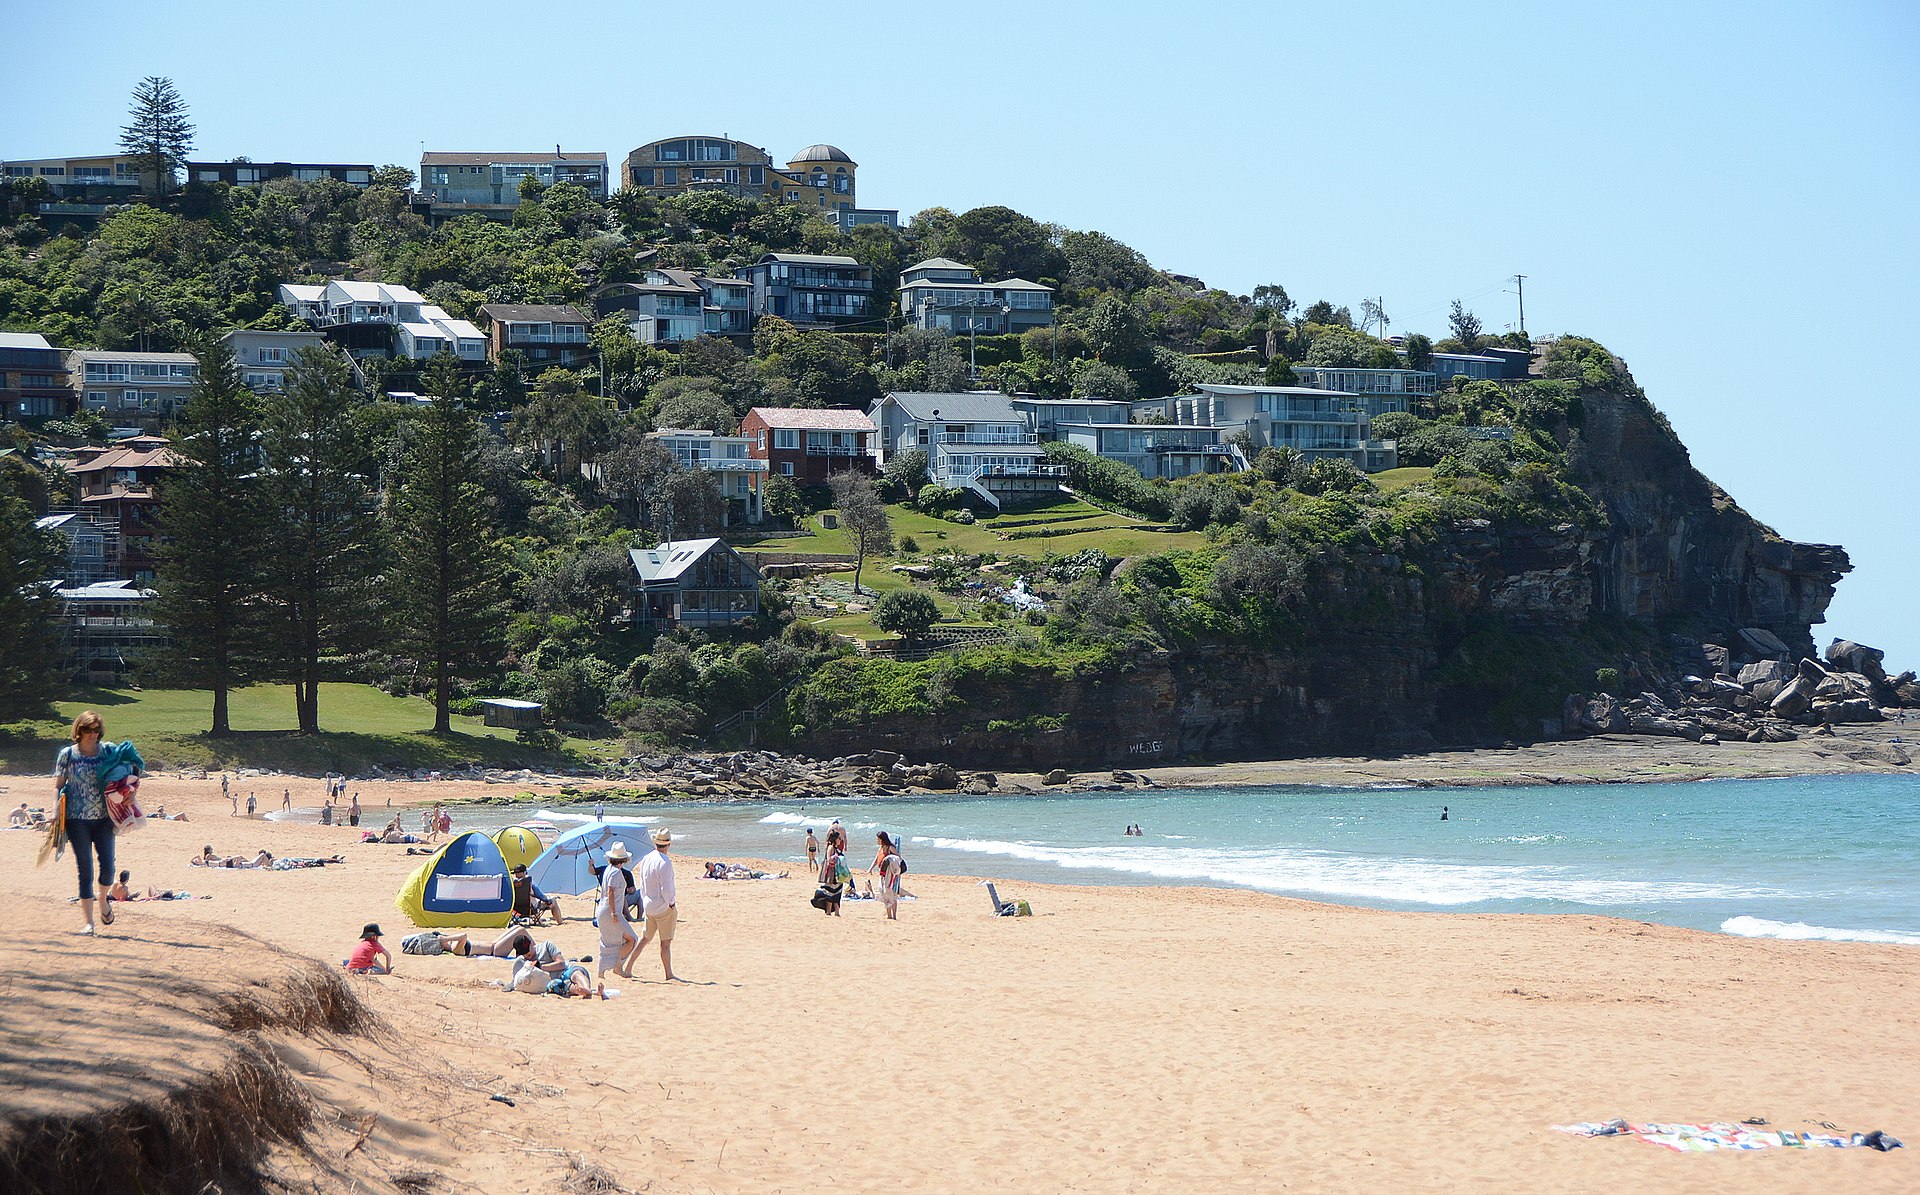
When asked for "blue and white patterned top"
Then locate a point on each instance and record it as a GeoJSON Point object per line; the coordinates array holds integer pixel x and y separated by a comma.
{"type": "Point", "coordinates": [79, 777]}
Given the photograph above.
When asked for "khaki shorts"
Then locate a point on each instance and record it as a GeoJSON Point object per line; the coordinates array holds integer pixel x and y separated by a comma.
{"type": "Point", "coordinates": [660, 925]}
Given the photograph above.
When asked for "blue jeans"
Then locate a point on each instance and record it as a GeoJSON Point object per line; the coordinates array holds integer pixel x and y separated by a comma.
{"type": "Point", "coordinates": [89, 836]}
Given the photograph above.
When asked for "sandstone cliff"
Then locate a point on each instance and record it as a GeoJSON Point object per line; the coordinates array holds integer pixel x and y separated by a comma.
{"type": "Point", "coordinates": [1479, 637]}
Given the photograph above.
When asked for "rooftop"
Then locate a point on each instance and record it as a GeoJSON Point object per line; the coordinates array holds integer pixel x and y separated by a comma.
{"type": "Point", "coordinates": [669, 560]}
{"type": "Point", "coordinates": [979, 406]}
{"type": "Point", "coordinates": [810, 419]}
{"type": "Point", "coordinates": [23, 340]}
{"type": "Point", "coordinates": [823, 153]}
{"type": "Point", "coordinates": [938, 263]}
{"type": "Point", "coordinates": [809, 259]}
{"type": "Point", "coordinates": [521, 313]}
{"type": "Point", "coordinates": [109, 355]}
{"type": "Point", "coordinates": [452, 158]}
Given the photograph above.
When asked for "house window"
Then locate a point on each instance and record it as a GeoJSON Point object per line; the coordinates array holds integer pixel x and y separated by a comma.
{"type": "Point", "coordinates": [359, 176]}
{"type": "Point", "coordinates": [756, 176]}
{"type": "Point", "coordinates": [786, 437]}
{"type": "Point", "coordinates": [22, 171]}
{"type": "Point", "coordinates": [763, 439]}
{"type": "Point", "coordinates": [786, 468]}
{"type": "Point", "coordinates": [670, 176]}
{"type": "Point", "coordinates": [643, 176]}
{"type": "Point", "coordinates": [46, 171]}
{"type": "Point", "coordinates": [922, 436]}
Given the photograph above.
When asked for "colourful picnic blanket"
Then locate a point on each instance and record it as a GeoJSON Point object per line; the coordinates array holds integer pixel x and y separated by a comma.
{"type": "Point", "coordinates": [1699, 1138]}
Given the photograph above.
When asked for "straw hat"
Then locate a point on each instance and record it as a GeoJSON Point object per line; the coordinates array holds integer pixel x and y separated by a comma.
{"type": "Point", "coordinates": [662, 836]}
{"type": "Point", "coordinates": [617, 853]}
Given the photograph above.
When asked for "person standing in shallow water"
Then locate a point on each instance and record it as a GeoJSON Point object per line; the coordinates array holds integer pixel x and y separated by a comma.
{"type": "Point", "coordinates": [1443, 813]}
{"type": "Point", "coordinates": [80, 812]}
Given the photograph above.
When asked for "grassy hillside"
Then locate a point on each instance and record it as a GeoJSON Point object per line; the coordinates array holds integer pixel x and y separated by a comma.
{"type": "Point", "coordinates": [362, 727]}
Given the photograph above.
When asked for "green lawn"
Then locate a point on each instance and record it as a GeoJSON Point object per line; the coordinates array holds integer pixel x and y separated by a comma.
{"type": "Point", "coordinates": [1116, 535]}
{"type": "Point", "coordinates": [1399, 479]}
{"type": "Point", "coordinates": [360, 726]}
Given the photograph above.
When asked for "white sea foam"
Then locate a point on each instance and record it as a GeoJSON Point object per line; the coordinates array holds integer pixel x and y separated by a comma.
{"type": "Point", "coordinates": [1800, 931]}
{"type": "Point", "coordinates": [556, 815]}
{"type": "Point", "coordinates": [1333, 874]}
{"type": "Point", "coordinates": [779, 818]}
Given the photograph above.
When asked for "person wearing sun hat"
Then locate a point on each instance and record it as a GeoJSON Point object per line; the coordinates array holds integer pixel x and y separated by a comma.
{"type": "Point", "coordinates": [618, 944]}
{"type": "Point", "coordinates": [658, 902]}
{"type": "Point", "coordinates": [366, 950]}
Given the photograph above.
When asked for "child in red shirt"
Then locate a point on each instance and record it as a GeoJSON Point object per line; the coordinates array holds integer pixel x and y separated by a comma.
{"type": "Point", "coordinates": [361, 961]}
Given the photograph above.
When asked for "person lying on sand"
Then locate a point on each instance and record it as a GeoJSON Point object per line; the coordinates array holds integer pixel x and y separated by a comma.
{"type": "Point", "coordinates": [208, 859]}
{"type": "Point", "coordinates": [169, 894]}
{"type": "Point", "coordinates": [162, 815]}
{"type": "Point", "coordinates": [433, 942]}
{"type": "Point", "coordinates": [574, 982]}
{"type": "Point", "coordinates": [366, 951]}
{"type": "Point", "coordinates": [535, 966]}
{"type": "Point", "coordinates": [735, 871]}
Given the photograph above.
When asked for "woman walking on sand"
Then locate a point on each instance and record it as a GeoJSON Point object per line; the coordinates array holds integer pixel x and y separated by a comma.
{"type": "Point", "coordinates": [80, 813]}
{"type": "Point", "coordinates": [891, 865]}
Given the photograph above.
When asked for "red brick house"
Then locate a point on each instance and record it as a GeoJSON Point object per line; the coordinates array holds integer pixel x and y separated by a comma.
{"type": "Point", "coordinates": [806, 445]}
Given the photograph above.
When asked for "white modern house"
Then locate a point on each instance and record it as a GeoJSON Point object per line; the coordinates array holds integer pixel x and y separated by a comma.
{"type": "Point", "coordinates": [1317, 423]}
{"type": "Point", "coordinates": [1156, 450]}
{"type": "Point", "coordinates": [1383, 389]}
{"type": "Point", "coordinates": [372, 318]}
{"type": "Point", "coordinates": [1045, 416]}
{"type": "Point", "coordinates": [976, 441]}
{"type": "Point", "coordinates": [742, 475]}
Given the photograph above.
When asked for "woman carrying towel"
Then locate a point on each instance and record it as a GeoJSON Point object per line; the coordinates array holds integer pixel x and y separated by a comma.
{"type": "Point", "coordinates": [80, 812]}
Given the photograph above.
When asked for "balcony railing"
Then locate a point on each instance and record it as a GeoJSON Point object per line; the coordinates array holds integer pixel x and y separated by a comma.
{"type": "Point", "coordinates": [987, 438]}
{"type": "Point", "coordinates": [835, 450]}
{"type": "Point", "coordinates": [826, 282]}
{"type": "Point", "coordinates": [991, 471]}
{"type": "Point", "coordinates": [731, 464]}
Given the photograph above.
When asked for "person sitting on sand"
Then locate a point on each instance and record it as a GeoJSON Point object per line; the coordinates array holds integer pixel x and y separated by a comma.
{"type": "Point", "coordinates": [119, 889]}
{"type": "Point", "coordinates": [366, 951]}
{"type": "Point", "coordinates": [18, 819]}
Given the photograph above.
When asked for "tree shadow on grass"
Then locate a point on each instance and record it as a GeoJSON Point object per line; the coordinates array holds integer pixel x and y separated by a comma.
{"type": "Point", "coordinates": [357, 751]}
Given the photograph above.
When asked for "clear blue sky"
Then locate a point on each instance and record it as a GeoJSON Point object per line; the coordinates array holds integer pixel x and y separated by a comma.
{"type": "Point", "coordinates": [1721, 193]}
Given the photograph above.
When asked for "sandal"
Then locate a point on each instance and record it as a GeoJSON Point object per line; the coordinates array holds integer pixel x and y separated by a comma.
{"type": "Point", "coordinates": [106, 911]}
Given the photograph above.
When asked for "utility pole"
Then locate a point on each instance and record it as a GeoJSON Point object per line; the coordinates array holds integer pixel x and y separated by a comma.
{"type": "Point", "coordinates": [1520, 285]}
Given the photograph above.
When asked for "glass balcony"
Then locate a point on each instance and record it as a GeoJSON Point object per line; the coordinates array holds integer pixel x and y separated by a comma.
{"type": "Point", "coordinates": [987, 438]}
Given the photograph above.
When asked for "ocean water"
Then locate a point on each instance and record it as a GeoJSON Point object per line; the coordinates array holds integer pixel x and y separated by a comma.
{"type": "Point", "coordinates": [1808, 858]}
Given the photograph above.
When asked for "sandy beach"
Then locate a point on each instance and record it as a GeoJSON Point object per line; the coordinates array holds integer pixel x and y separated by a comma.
{"type": "Point", "coordinates": [1122, 1039]}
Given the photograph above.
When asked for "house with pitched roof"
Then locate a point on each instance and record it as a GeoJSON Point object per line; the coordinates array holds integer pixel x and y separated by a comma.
{"type": "Point", "coordinates": [381, 319]}
{"type": "Point", "coordinates": [976, 441]}
{"type": "Point", "coordinates": [693, 582]}
{"type": "Point", "coordinates": [671, 306]}
{"type": "Point", "coordinates": [119, 491]}
{"type": "Point", "coordinates": [807, 445]}
{"type": "Point", "coordinates": [811, 290]}
{"type": "Point", "coordinates": [941, 294]}
{"type": "Point", "coordinates": [546, 335]}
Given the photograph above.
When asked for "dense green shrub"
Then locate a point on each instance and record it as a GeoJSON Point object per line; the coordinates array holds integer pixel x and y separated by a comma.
{"type": "Point", "coordinates": [905, 612]}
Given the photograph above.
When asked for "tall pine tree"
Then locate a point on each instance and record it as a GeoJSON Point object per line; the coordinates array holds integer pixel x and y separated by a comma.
{"type": "Point", "coordinates": [323, 563]}
{"type": "Point", "coordinates": [446, 587]}
{"type": "Point", "coordinates": [214, 538]}
{"type": "Point", "coordinates": [29, 614]}
{"type": "Point", "coordinates": [158, 132]}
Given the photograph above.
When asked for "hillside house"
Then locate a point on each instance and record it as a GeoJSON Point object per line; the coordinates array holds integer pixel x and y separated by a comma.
{"type": "Point", "coordinates": [693, 582]}
{"type": "Point", "coordinates": [940, 294]}
{"type": "Point", "coordinates": [544, 335]}
{"type": "Point", "coordinates": [809, 445]}
{"type": "Point", "coordinates": [119, 489]}
{"type": "Point", "coordinates": [133, 388]}
{"type": "Point", "coordinates": [265, 357]}
{"type": "Point", "coordinates": [977, 441]}
{"type": "Point", "coordinates": [1319, 424]}
{"type": "Point", "coordinates": [35, 381]}
{"type": "Point", "coordinates": [810, 290]}
{"type": "Point", "coordinates": [742, 476]}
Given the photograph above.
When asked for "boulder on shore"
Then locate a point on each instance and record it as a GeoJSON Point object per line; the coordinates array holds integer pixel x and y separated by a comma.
{"type": "Point", "coordinates": [1848, 656]}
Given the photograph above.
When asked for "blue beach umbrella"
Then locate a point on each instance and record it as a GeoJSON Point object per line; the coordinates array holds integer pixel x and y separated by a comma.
{"type": "Point", "coordinates": [567, 866]}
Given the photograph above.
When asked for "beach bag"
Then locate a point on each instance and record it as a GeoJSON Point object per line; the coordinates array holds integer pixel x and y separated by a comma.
{"type": "Point", "coordinates": [123, 804]}
{"type": "Point", "coordinates": [841, 871]}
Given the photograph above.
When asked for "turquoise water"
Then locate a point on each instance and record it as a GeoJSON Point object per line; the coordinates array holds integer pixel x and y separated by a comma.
{"type": "Point", "coordinates": [1817, 857]}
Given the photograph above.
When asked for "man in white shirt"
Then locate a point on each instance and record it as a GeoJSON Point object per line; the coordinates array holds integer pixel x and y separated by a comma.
{"type": "Point", "coordinates": [657, 901]}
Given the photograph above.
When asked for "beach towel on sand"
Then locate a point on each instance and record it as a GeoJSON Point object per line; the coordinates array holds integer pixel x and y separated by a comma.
{"type": "Point", "coordinates": [1701, 1138]}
